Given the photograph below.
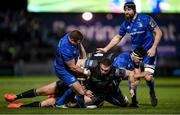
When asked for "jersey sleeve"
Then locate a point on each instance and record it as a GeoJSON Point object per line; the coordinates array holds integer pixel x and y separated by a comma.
{"type": "Point", "coordinates": [67, 54]}
{"type": "Point", "coordinates": [122, 29]}
{"type": "Point", "coordinates": [151, 23]}
{"type": "Point", "coordinates": [119, 62]}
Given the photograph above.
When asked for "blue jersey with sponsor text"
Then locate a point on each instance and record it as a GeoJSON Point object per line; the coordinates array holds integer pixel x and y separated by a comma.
{"type": "Point", "coordinates": [140, 30]}
{"type": "Point", "coordinates": [64, 53]}
{"type": "Point", "coordinates": [124, 61]}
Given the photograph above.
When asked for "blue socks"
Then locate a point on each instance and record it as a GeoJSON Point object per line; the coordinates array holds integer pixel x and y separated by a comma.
{"type": "Point", "coordinates": [151, 86]}
{"type": "Point", "coordinates": [63, 98]}
{"type": "Point", "coordinates": [80, 101]}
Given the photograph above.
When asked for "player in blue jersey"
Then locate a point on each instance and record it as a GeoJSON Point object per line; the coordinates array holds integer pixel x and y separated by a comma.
{"type": "Point", "coordinates": [68, 51]}
{"type": "Point", "coordinates": [144, 32]}
{"type": "Point", "coordinates": [130, 62]}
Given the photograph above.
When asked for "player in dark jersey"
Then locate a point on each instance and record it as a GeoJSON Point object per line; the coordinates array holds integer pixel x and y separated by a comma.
{"type": "Point", "coordinates": [103, 82]}
{"type": "Point", "coordinates": [144, 32]}
{"type": "Point", "coordinates": [105, 77]}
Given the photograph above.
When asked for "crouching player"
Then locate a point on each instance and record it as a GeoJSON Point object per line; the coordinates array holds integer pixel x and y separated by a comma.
{"type": "Point", "coordinates": [130, 62]}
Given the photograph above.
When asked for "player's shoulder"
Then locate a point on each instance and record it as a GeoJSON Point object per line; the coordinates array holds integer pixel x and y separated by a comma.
{"type": "Point", "coordinates": [124, 54]}
{"type": "Point", "coordinates": [122, 57]}
{"type": "Point", "coordinates": [124, 23]}
{"type": "Point", "coordinates": [144, 16]}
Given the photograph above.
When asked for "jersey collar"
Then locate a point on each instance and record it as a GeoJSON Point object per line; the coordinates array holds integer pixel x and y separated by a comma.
{"type": "Point", "coordinates": [134, 18]}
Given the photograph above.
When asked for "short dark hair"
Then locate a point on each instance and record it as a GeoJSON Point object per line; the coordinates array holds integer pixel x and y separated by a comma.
{"type": "Point", "coordinates": [140, 52]}
{"type": "Point", "coordinates": [106, 61]}
{"type": "Point", "coordinates": [76, 35]}
{"type": "Point", "coordinates": [130, 5]}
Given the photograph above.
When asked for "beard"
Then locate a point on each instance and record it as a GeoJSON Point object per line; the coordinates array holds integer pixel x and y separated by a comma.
{"type": "Point", "coordinates": [129, 17]}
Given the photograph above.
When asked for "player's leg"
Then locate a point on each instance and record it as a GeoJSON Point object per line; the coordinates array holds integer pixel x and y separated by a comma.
{"type": "Point", "coordinates": [80, 94]}
{"type": "Point", "coordinates": [62, 100]}
{"type": "Point", "coordinates": [45, 90]}
{"type": "Point", "coordinates": [150, 82]}
{"type": "Point", "coordinates": [72, 82]}
{"type": "Point", "coordinates": [116, 96]}
{"type": "Point", "coordinates": [45, 103]}
{"type": "Point", "coordinates": [149, 68]}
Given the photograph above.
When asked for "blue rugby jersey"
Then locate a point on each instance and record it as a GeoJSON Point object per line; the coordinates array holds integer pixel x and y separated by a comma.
{"type": "Point", "coordinates": [140, 30]}
{"type": "Point", "coordinates": [124, 60]}
{"type": "Point", "coordinates": [64, 53]}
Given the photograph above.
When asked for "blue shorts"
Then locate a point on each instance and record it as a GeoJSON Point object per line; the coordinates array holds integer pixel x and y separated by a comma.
{"type": "Point", "coordinates": [150, 63]}
{"type": "Point", "coordinates": [66, 77]}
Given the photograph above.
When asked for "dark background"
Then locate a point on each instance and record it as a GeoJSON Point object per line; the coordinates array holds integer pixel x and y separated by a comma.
{"type": "Point", "coordinates": [28, 40]}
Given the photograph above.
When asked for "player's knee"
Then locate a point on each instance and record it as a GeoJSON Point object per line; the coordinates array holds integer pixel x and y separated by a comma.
{"type": "Point", "coordinates": [149, 77]}
{"type": "Point", "coordinates": [77, 87]}
{"type": "Point", "coordinates": [42, 91]}
{"type": "Point", "coordinates": [48, 103]}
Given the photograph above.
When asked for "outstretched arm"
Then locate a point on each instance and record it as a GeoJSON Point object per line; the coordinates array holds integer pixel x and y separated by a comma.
{"type": "Point", "coordinates": [116, 39]}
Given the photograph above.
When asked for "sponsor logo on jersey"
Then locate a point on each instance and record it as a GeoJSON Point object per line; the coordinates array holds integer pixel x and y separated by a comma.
{"type": "Point", "coordinates": [152, 23]}
{"type": "Point", "coordinates": [140, 24]}
{"type": "Point", "coordinates": [137, 32]}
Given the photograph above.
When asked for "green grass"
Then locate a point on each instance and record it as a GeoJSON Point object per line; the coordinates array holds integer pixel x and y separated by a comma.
{"type": "Point", "coordinates": [167, 90]}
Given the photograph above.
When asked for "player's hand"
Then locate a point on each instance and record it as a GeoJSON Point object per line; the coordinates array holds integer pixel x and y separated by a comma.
{"type": "Point", "coordinates": [131, 92]}
{"type": "Point", "coordinates": [86, 72]}
{"type": "Point", "coordinates": [89, 93]}
{"type": "Point", "coordinates": [152, 51]}
{"type": "Point", "coordinates": [102, 50]}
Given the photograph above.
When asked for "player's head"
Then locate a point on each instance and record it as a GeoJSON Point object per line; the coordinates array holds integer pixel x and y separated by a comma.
{"type": "Point", "coordinates": [129, 10]}
{"type": "Point", "coordinates": [138, 55]}
{"type": "Point", "coordinates": [105, 66]}
{"type": "Point", "coordinates": [76, 37]}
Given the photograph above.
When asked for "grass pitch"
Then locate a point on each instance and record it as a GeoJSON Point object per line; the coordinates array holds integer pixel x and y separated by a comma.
{"type": "Point", "coordinates": [167, 89]}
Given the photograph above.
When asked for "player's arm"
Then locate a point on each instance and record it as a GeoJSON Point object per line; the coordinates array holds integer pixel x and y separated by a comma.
{"type": "Point", "coordinates": [134, 82]}
{"type": "Point", "coordinates": [77, 69]}
{"type": "Point", "coordinates": [157, 35]}
{"type": "Point", "coordinates": [116, 39]}
{"type": "Point", "coordinates": [82, 52]}
{"type": "Point", "coordinates": [142, 74]}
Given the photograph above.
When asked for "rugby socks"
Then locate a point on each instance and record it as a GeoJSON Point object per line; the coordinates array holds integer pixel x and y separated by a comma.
{"type": "Point", "coordinates": [151, 86]}
{"type": "Point", "coordinates": [34, 104]}
{"type": "Point", "coordinates": [27, 94]}
{"type": "Point", "coordinates": [113, 101]}
{"type": "Point", "coordinates": [80, 101]}
{"type": "Point", "coordinates": [63, 98]}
